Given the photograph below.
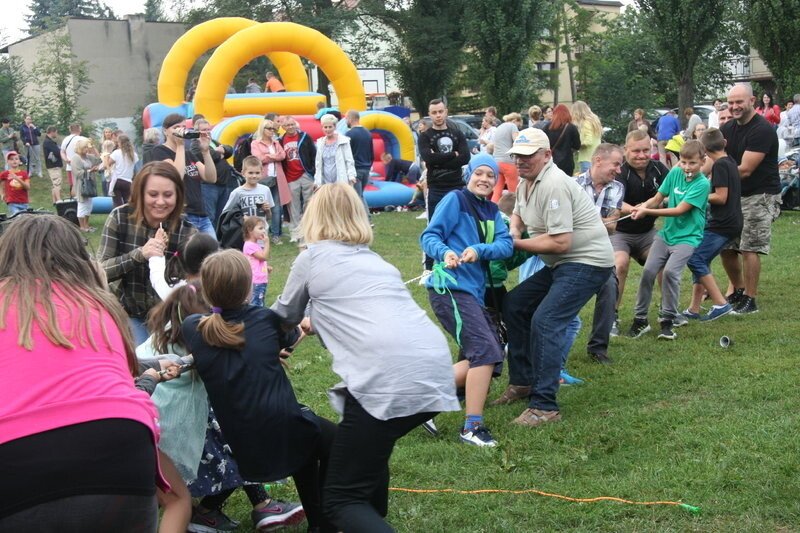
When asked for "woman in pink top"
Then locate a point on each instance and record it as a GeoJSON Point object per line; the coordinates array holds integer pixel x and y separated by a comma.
{"type": "Point", "coordinates": [77, 439]}
{"type": "Point", "coordinates": [270, 152]}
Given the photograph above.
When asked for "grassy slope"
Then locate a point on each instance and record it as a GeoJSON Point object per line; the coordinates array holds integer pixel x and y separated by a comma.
{"type": "Point", "coordinates": [682, 421]}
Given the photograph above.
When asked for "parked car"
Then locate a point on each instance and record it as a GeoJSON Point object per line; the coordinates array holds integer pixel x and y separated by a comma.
{"type": "Point", "coordinates": [469, 132]}
{"type": "Point", "coordinates": [475, 121]}
{"type": "Point", "coordinates": [702, 111]}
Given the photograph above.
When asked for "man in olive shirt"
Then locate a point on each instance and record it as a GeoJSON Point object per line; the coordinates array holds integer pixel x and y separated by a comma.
{"type": "Point", "coordinates": [567, 233]}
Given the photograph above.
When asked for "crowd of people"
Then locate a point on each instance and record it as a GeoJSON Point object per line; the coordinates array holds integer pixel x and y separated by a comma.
{"type": "Point", "coordinates": [188, 396]}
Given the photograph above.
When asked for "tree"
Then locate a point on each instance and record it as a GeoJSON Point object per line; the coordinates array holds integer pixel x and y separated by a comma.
{"type": "Point", "coordinates": [48, 14]}
{"type": "Point", "coordinates": [154, 11]}
{"type": "Point", "coordinates": [502, 40]}
{"type": "Point", "coordinates": [773, 30]}
{"type": "Point", "coordinates": [430, 43]}
{"type": "Point", "coordinates": [12, 86]}
{"type": "Point", "coordinates": [687, 32]}
{"type": "Point", "coordinates": [61, 79]}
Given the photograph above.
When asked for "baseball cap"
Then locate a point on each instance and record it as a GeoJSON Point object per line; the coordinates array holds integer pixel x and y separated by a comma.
{"type": "Point", "coordinates": [529, 141]}
{"type": "Point", "coordinates": [9, 154]}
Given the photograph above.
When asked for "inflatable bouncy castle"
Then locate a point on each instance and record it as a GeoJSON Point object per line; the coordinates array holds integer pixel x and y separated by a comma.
{"type": "Point", "coordinates": [237, 41]}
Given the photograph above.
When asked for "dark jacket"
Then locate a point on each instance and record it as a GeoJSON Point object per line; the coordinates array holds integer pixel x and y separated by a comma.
{"type": "Point", "coordinates": [29, 135]}
{"type": "Point", "coordinates": [564, 145]}
{"type": "Point", "coordinates": [224, 169]}
{"type": "Point", "coordinates": [52, 154]}
{"type": "Point", "coordinates": [307, 150]}
{"type": "Point", "coordinates": [272, 435]}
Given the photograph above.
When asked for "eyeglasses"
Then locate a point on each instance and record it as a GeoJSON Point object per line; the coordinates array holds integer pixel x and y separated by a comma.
{"type": "Point", "coordinates": [520, 157]}
{"type": "Point", "coordinates": [270, 129]}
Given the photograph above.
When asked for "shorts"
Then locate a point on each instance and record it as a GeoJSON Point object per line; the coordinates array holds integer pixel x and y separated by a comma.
{"type": "Point", "coordinates": [479, 342]}
{"type": "Point", "coordinates": [759, 212]}
{"type": "Point", "coordinates": [84, 207]}
{"type": "Point", "coordinates": [55, 177]}
{"type": "Point", "coordinates": [635, 245]}
{"type": "Point", "coordinates": [710, 247]}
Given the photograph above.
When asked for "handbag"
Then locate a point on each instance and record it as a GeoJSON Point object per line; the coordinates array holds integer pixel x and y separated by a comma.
{"type": "Point", "coordinates": [88, 185]}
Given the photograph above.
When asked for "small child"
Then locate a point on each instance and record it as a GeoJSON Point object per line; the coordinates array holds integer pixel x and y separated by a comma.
{"type": "Point", "coordinates": [252, 198]}
{"type": "Point", "coordinates": [466, 230]}
{"type": "Point", "coordinates": [16, 185]}
{"type": "Point", "coordinates": [254, 230]}
{"type": "Point", "coordinates": [723, 226]}
{"type": "Point", "coordinates": [687, 189]}
{"type": "Point", "coordinates": [108, 165]}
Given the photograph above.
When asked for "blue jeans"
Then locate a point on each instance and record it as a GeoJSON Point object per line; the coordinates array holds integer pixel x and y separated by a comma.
{"type": "Point", "coordinates": [276, 224]}
{"type": "Point", "coordinates": [139, 330]}
{"type": "Point", "coordinates": [202, 224]}
{"type": "Point", "coordinates": [214, 199]}
{"type": "Point", "coordinates": [700, 262]}
{"type": "Point", "coordinates": [537, 313]}
{"type": "Point", "coordinates": [573, 328]}
{"type": "Point", "coordinates": [259, 292]}
{"type": "Point", "coordinates": [362, 180]}
{"type": "Point", "coordinates": [13, 209]}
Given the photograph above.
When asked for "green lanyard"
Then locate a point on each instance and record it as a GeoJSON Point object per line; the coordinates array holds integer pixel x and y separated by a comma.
{"type": "Point", "coordinates": [439, 279]}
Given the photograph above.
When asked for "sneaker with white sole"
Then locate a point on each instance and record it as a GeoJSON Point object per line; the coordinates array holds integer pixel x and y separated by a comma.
{"type": "Point", "coordinates": [667, 332]}
{"type": "Point", "coordinates": [679, 320]}
{"type": "Point", "coordinates": [536, 417]}
{"type": "Point", "coordinates": [716, 312]}
{"type": "Point", "coordinates": [430, 427]}
{"type": "Point", "coordinates": [638, 328]}
{"type": "Point", "coordinates": [213, 521]}
{"type": "Point", "coordinates": [277, 514]}
{"type": "Point", "coordinates": [691, 315]}
{"type": "Point", "coordinates": [480, 436]}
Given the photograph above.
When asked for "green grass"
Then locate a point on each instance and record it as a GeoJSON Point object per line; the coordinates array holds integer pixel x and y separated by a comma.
{"type": "Point", "coordinates": [682, 421]}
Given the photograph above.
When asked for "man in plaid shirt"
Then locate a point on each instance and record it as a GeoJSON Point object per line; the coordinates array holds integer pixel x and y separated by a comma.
{"type": "Point", "coordinates": [607, 194]}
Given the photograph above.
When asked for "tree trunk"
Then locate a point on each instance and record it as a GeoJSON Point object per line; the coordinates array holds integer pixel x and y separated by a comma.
{"type": "Point", "coordinates": [685, 95]}
{"type": "Point", "coordinates": [322, 85]}
{"type": "Point", "coordinates": [556, 75]}
{"type": "Point", "coordinates": [568, 51]}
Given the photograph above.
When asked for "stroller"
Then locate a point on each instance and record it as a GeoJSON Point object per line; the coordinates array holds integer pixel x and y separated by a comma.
{"type": "Point", "coordinates": [789, 172]}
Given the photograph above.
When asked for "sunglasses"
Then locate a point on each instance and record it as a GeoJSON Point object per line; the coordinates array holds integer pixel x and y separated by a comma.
{"type": "Point", "coordinates": [270, 129]}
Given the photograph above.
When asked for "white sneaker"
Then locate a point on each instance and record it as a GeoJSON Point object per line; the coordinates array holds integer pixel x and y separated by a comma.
{"type": "Point", "coordinates": [479, 436]}
{"type": "Point", "coordinates": [425, 275]}
{"type": "Point", "coordinates": [423, 216]}
{"type": "Point", "coordinates": [431, 428]}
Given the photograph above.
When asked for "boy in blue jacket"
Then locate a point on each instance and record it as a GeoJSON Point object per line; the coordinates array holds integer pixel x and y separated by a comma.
{"type": "Point", "coordinates": [465, 233]}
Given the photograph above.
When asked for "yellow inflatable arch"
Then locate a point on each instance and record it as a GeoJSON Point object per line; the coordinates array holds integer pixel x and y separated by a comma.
{"type": "Point", "coordinates": [202, 38]}
{"type": "Point", "coordinates": [267, 38]}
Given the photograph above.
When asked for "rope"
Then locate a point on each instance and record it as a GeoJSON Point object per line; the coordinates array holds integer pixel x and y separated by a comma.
{"type": "Point", "coordinates": [691, 508]}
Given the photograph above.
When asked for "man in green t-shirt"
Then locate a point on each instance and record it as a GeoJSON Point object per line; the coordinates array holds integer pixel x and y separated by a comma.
{"type": "Point", "coordinates": [686, 190]}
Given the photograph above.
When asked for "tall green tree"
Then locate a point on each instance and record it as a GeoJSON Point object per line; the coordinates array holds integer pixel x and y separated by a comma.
{"type": "Point", "coordinates": [48, 14]}
{"type": "Point", "coordinates": [774, 31]}
{"type": "Point", "coordinates": [61, 79]}
{"type": "Point", "coordinates": [501, 34]}
{"type": "Point", "coordinates": [686, 32]}
{"type": "Point", "coordinates": [154, 11]}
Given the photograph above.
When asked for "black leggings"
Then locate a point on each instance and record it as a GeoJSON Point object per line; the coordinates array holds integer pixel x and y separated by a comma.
{"type": "Point", "coordinates": [92, 512]}
{"type": "Point", "coordinates": [255, 493]}
{"type": "Point", "coordinates": [311, 478]}
{"type": "Point", "coordinates": [356, 495]}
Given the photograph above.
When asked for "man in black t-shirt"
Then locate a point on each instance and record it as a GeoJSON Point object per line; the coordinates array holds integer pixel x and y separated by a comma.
{"type": "Point", "coordinates": [641, 177]}
{"type": "Point", "coordinates": [753, 144]}
{"type": "Point", "coordinates": [444, 150]}
{"type": "Point", "coordinates": [194, 172]}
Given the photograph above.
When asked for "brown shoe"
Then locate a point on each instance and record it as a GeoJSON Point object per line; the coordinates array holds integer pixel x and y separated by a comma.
{"type": "Point", "coordinates": [536, 417]}
{"type": "Point", "coordinates": [513, 393]}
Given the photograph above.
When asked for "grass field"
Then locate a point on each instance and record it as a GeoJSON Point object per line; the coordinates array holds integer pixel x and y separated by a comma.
{"type": "Point", "coordinates": [669, 421]}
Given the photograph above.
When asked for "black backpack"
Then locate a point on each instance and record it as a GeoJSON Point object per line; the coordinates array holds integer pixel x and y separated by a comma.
{"type": "Point", "coordinates": [241, 150]}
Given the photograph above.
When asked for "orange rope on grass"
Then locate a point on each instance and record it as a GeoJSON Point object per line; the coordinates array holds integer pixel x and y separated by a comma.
{"type": "Point", "coordinates": [686, 506]}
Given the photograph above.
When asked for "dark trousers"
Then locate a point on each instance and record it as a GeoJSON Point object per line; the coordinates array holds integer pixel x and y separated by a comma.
{"type": "Point", "coordinates": [310, 479]}
{"type": "Point", "coordinates": [435, 196]}
{"type": "Point", "coordinates": [122, 192]}
{"type": "Point", "coordinates": [604, 313]}
{"type": "Point", "coordinates": [537, 313]}
{"type": "Point", "coordinates": [356, 494]}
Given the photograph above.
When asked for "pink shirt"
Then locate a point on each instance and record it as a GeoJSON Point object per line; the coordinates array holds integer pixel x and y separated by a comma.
{"type": "Point", "coordinates": [52, 387]}
{"type": "Point", "coordinates": [258, 266]}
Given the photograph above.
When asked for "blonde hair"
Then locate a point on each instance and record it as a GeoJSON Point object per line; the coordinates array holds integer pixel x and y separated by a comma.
{"type": "Point", "coordinates": [39, 253]}
{"type": "Point", "coordinates": [336, 213]}
{"type": "Point", "coordinates": [582, 113]}
{"type": "Point", "coordinates": [534, 112]}
{"type": "Point", "coordinates": [108, 146]}
{"type": "Point", "coordinates": [82, 146]}
{"type": "Point", "coordinates": [512, 117]}
{"type": "Point", "coordinates": [265, 123]}
{"type": "Point", "coordinates": [226, 279]}
{"type": "Point", "coordinates": [328, 119]}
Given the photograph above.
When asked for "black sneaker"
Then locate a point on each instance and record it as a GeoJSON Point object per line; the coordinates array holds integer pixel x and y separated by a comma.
{"type": "Point", "coordinates": [747, 306]}
{"type": "Point", "coordinates": [601, 358]}
{"type": "Point", "coordinates": [638, 328]}
{"type": "Point", "coordinates": [667, 332]}
{"type": "Point", "coordinates": [735, 297]}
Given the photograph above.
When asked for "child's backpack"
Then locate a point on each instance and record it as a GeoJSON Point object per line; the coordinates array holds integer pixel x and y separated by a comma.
{"type": "Point", "coordinates": [241, 150]}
